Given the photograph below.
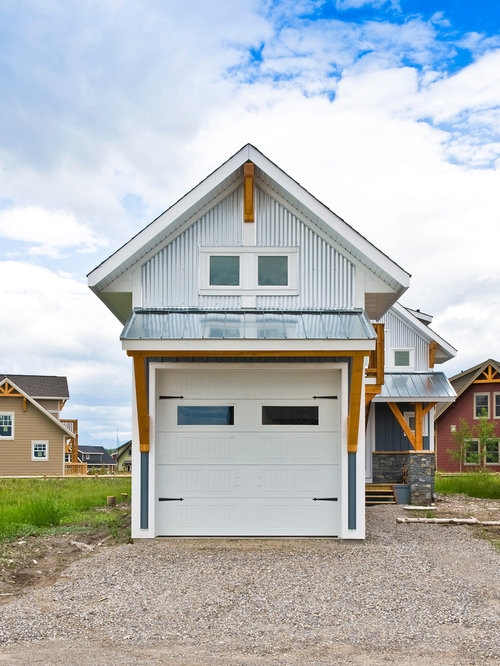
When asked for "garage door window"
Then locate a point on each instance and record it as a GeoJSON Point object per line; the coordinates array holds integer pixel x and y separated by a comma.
{"type": "Point", "coordinates": [290, 415]}
{"type": "Point", "coordinates": [215, 415]}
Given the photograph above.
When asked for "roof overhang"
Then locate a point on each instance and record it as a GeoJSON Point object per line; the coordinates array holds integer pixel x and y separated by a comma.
{"type": "Point", "coordinates": [416, 387]}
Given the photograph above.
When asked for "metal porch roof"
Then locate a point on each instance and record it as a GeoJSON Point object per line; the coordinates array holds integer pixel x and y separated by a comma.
{"type": "Point", "coordinates": [248, 325]}
{"type": "Point", "coordinates": [420, 386]}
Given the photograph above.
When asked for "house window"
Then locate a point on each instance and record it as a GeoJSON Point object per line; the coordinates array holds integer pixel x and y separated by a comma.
{"type": "Point", "coordinates": [248, 270]}
{"type": "Point", "coordinates": [6, 425]}
{"type": "Point", "coordinates": [496, 412]}
{"type": "Point", "coordinates": [472, 452]}
{"type": "Point", "coordinates": [403, 358]}
{"type": "Point", "coordinates": [481, 405]}
{"type": "Point", "coordinates": [273, 270]}
{"type": "Point", "coordinates": [492, 452]}
{"type": "Point", "coordinates": [409, 417]}
{"type": "Point", "coordinates": [39, 450]}
{"type": "Point", "coordinates": [208, 415]}
{"type": "Point", "coordinates": [490, 455]}
{"type": "Point", "coordinates": [284, 415]}
{"type": "Point", "coordinates": [224, 270]}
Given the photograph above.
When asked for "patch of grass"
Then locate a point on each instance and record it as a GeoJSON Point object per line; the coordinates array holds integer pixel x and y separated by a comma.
{"type": "Point", "coordinates": [37, 506]}
{"type": "Point", "coordinates": [476, 484]}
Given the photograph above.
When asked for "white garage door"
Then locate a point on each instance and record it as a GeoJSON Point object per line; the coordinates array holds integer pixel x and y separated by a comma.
{"type": "Point", "coordinates": [248, 452]}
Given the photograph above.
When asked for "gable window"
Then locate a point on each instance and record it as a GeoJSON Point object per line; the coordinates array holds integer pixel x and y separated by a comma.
{"type": "Point", "coordinates": [39, 449]}
{"type": "Point", "coordinates": [496, 408]}
{"type": "Point", "coordinates": [6, 425]}
{"type": "Point", "coordinates": [248, 270]}
{"type": "Point", "coordinates": [272, 270]}
{"type": "Point", "coordinates": [403, 358]}
{"type": "Point", "coordinates": [481, 405]}
{"type": "Point", "coordinates": [224, 270]}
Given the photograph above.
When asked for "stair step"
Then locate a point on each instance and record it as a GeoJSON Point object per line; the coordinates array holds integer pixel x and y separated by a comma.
{"type": "Point", "coordinates": [379, 493]}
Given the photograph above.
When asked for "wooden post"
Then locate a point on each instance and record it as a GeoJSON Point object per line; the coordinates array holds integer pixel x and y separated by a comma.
{"type": "Point", "coordinates": [419, 427]}
{"type": "Point", "coordinates": [111, 500]}
{"type": "Point", "coordinates": [432, 353]}
{"type": "Point", "coordinates": [141, 397]}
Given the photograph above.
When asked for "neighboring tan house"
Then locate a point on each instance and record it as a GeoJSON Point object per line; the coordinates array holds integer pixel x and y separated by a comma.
{"type": "Point", "coordinates": [33, 438]}
{"type": "Point", "coordinates": [123, 457]}
{"type": "Point", "coordinates": [248, 309]}
{"type": "Point", "coordinates": [478, 391]}
{"type": "Point", "coordinates": [96, 456]}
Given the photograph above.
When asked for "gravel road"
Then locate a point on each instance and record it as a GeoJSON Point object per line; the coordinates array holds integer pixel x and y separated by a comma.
{"type": "Point", "coordinates": [409, 594]}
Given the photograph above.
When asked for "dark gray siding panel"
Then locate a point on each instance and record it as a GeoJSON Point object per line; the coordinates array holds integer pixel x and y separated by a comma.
{"type": "Point", "coordinates": [389, 435]}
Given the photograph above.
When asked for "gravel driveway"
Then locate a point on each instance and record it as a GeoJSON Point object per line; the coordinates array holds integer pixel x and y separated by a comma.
{"type": "Point", "coordinates": [409, 594]}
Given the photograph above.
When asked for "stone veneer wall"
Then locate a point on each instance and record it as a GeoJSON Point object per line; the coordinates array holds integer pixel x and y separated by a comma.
{"type": "Point", "coordinates": [388, 468]}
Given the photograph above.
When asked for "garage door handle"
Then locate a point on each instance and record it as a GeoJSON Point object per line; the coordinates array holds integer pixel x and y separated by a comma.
{"type": "Point", "coordinates": [324, 397]}
{"type": "Point", "coordinates": [171, 499]}
{"type": "Point", "coordinates": [324, 499]}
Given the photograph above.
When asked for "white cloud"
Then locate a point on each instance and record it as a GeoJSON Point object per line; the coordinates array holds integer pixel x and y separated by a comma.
{"type": "Point", "coordinates": [48, 233]}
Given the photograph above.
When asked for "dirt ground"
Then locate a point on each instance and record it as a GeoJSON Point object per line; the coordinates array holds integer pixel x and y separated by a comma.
{"type": "Point", "coordinates": [38, 561]}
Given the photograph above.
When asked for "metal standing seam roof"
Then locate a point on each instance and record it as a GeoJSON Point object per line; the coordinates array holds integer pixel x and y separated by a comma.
{"type": "Point", "coordinates": [422, 386]}
{"type": "Point", "coordinates": [152, 324]}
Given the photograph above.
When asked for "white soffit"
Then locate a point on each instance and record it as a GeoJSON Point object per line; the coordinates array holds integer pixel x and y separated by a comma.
{"type": "Point", "coordinates": [288, 189]}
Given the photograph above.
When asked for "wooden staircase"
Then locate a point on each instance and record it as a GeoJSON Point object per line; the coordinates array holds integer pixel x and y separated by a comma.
{"type": "Point", "coordinates": [379, 493]}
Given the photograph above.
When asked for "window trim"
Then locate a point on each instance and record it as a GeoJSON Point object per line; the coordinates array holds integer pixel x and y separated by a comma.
{"type": "Point", "coordinates": [497, 440]}
{"type": "Point", "coordinates": [466, 462]}
{"type": "Point", "coordinates": [249, 260]}
{"type": "Point", "coordinates": [482, 459]}
{"type": "Point", "coordinates": [425, 425]}
{"type": "Point", "coordinates": [474, 410]}
{"type": "Point", "coordinates": [402, 368]}
{"type": "Point", "coordinates": [495, 415]}
{"type": "Point", "coordinates": [39, 458]}
{"type": "Point", "coordinates": [13, 420]}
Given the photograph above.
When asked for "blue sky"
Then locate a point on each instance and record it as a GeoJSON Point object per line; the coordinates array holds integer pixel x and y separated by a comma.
{"type": "Point", "coordinates": [110, 110]}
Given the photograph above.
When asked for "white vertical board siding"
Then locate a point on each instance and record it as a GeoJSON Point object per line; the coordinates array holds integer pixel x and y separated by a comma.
{"type": "Point", "coordinates": [400, 335]}
{"type": "Point", "coordinates": [326, 277]}
{"type": "Point", "coordinates": [170, 278]}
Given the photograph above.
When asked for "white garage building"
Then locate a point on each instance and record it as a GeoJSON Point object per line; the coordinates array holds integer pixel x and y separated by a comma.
{"type": "Point", "coordinates": [246, 310]}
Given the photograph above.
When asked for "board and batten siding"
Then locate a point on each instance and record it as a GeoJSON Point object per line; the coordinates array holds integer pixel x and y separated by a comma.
{"type": "Point", "coordinates": [15, 454]}
{"type": "Point", "coordinates": [399, 335]}
{"type": "Point", "coordinates": [389, 435]}
{"type": "Point", "coordinates": [326, 277]}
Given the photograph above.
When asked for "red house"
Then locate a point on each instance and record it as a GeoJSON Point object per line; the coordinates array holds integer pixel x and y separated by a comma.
{"type": "Point", "coordinates": [478, 392]}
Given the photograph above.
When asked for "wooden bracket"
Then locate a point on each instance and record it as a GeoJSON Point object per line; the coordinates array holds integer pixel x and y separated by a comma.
{"type": "Point", "coordinates": [432, 353]}
{"type": "Point", "coordinates": [141, 397]}
{"type": "Point", "coordinates": [400, 419]}
{"type": "Point", "coordinates": [248, 174]}
{"type": "Point", "coordinates": [358, 368]}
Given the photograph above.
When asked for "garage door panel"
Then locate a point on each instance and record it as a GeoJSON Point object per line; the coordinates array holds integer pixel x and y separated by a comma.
{"type": "Point", "coordinates": [224, 517]}
{"type": "Point", "coordinates": [249, 448]}
{"type": "Point", "coordinates": [246, 480]}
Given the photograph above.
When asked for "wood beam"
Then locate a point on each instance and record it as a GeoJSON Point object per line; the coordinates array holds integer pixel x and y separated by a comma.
{"type": "Point", "coordinates": [428, 408]}
{"type": "Point", "coordinates": [419, 427]}
{"type": "Point", "coordinates": [400, 419]}
{"type": "Point", "coordinates": [432, 353]}
{"type": "Point", "coordinates": [489, 376]}
{"type": "Point", "coordinates": [138, 353]}
{"type": "Point", "coordinates": [248, 187]}
{"type": "Point", "coordinates": [141, 397]}
{"type": "Point", "coordinates": [357, 372]}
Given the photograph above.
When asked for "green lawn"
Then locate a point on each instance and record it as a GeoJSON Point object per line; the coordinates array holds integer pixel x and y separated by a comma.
{"type": "Point", "coordinates": [477, 484]}
{"type": "Point", "coordinates": [37, 506]}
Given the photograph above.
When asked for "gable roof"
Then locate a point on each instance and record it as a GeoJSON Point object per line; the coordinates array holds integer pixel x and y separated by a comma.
{"type": "Point", "coordinates": [464, 379]}
{"type": "Point", "coordinates": [269, 176]}
{"type": "Point", "coordinates": [445, 351]}
{"type": "Point", "coordinates": [100, 450]}
{"type": "Point", "coordinates": [121, 450]}
{"type": "Point", "coordinates": [40, 386]}
{"type": "Point", "coordinates": [37, 405]}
